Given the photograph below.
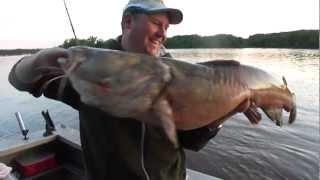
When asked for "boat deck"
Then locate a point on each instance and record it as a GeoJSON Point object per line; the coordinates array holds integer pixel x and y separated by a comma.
{"type": "Point", "coordinates": [64, 138]}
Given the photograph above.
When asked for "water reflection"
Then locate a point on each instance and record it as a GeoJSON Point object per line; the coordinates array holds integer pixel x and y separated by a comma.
{"type": "Point", "coordinates": [240, 151]}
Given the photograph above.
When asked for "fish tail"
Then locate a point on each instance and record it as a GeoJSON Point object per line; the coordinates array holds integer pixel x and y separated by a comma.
{"type": "Point", "coordinates": [293, 110]}
{"type": "Point", "coordinates": [275, 114]}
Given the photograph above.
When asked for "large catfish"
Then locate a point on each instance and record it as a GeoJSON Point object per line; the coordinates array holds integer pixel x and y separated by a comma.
{"type": "Point", "coordinates": [174, 94]}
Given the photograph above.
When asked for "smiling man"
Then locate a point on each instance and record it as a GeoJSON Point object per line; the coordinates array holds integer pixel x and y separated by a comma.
{"type": "Point", "coordinates": [144, 26]}
{"type": "Point", "coordinates": [119, 148]}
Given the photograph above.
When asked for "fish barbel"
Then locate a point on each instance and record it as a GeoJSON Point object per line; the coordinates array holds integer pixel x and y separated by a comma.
{"type": "Point", "coordinates": [174, 94]}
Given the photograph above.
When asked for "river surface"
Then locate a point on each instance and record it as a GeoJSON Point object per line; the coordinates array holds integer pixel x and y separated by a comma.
{"type": "Point", "coordinates": [240, 150]}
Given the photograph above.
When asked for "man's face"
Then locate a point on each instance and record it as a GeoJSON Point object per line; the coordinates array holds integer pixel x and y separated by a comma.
{"type": "Point", "coordinates": [147, 32]}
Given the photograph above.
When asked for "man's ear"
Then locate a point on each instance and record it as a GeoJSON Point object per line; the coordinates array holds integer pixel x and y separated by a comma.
{"type": "Point", "coordinates": [126, 22]}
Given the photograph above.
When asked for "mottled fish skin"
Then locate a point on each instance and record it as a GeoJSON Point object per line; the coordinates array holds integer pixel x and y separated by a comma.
{"type": "Point", "coordinates": [173, 94]}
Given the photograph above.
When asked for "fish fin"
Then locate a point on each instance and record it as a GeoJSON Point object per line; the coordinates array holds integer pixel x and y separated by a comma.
{"type": "Point", "coordinates": [163, 111]}
{"type": "Point", "coordinates": [275, 114]}
{"type": "Point", "coordinates": [158, 119]}
{"type": "Point", "coordinates": [170, 130]}
{"type": "Point", "coordinates": [160, 115]}
{"type": "Point", "coordinates": [220, 63]}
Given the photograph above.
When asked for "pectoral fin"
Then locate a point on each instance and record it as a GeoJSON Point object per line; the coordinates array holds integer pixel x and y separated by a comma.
{"type": "Point", "coordinates": [160, 115]}
{"type": "Point", "coordinates": [163, 111]}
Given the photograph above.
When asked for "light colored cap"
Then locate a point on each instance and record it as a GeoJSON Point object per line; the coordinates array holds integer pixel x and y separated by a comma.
{"type": "Point", "coordinates": [154, 6]}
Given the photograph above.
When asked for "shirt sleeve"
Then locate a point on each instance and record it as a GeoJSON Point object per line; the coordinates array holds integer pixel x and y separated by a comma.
{"type": "Point", "coordinates": [20, 85]}
{"type": "Point", "coordinates": [196, 139]}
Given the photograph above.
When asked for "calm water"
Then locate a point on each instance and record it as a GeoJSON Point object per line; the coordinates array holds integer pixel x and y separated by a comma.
{"type": "Point", "coordinates": [240, 150]}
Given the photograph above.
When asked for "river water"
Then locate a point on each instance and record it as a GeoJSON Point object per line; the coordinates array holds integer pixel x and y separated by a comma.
{"type": "Point", "coordinates": [240, 150]}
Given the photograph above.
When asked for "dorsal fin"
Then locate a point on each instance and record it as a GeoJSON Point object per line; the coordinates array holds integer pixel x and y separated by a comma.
{"type": "Point", "coordinates": [284, 81]}
{"type": "Point", "coordinates": [221, 63]}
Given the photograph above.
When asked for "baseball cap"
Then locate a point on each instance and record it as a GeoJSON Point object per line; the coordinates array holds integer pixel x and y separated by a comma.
{"type": "Point", "coordinates": [154, 6]}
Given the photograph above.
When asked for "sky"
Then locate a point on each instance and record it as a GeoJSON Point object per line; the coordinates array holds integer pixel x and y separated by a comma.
{"type": "Point", "coordinates": [44, 23]}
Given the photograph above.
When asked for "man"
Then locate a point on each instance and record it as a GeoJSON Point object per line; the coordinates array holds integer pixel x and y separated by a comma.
{"type": "Point", "coordinates": [117, 148]}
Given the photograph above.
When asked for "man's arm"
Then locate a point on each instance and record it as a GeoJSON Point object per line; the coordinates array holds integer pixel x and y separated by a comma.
{"type": "Point", "coordinates": [196, 139]}
{"type": "Point", "coordinates": [33, 74]}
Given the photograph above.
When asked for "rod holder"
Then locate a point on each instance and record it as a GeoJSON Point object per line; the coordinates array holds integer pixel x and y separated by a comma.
{"type": "Point", "coordinates": [50, 127]}
{"type": "Point", "coordinates": [23, 129]}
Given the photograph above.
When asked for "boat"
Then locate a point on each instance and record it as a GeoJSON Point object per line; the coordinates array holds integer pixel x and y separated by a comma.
{"type": "Point", "coordinates": [51, 154]}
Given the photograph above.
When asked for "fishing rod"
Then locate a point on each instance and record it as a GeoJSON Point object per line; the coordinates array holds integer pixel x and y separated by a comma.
{"type": "Point", "coordinates": [63, 82]}
{"type": "Point", "coordinates": [74, 33]}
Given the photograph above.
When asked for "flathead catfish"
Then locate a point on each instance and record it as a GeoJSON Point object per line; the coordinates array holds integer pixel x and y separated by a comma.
{"type": "Point", "coordinates": [171, 93]}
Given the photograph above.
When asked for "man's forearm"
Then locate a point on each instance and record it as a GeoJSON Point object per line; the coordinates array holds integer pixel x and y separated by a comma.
{"type": "Point", "coordinates": [22, 75]}
{"type": "Point", "coordinates": [196, 139]}
{"type": "Point", "coordinates": [26, 74]}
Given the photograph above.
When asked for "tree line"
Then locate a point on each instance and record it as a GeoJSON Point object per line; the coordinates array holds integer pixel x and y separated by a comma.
{"type": "Point", "coordinates": [11, 52]}
{"type": "Point", "coordinates": [302, 39]}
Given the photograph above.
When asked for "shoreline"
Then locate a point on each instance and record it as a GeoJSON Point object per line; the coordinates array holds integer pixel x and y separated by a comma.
{"type": "Point", "coordinates": [17, 52]}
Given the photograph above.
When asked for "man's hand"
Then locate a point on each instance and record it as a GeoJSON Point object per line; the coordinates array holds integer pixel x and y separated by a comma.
{"type": "Point", "coordinates": [48, 57]}
{"type": "Point", "coordinates": [32, 67]}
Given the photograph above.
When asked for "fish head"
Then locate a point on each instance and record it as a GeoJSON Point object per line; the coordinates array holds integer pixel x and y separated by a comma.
{"type": "Point", "coordinates": [121, 83]}
{"type": "Point", "coordinates": [96, 64]}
